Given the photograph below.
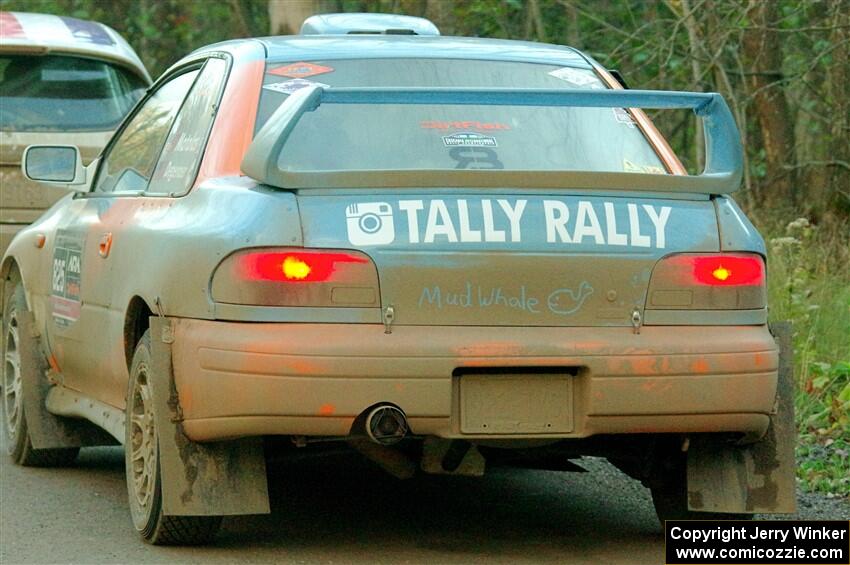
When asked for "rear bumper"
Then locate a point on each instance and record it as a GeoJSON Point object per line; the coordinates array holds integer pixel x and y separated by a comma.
{"type": "Point", "coordinates": [244, 379]}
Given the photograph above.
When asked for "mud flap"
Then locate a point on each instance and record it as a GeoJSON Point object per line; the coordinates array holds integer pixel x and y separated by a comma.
{"type": "Point", "coordinates": [755, 478]}
{"type": "Point", "coordinates": [46, 430]}
{"type": "Point", "coordinates": [200, 479]}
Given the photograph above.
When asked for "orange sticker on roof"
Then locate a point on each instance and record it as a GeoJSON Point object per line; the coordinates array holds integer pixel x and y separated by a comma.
{"type": "Point", "coordinates": [10, 26]}
{"type": "Point", "coordinates": [300, 70]}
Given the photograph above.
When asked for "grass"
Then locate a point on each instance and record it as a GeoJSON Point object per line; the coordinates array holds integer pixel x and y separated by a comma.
{"type": "Point", "coordinates": [809, 284]}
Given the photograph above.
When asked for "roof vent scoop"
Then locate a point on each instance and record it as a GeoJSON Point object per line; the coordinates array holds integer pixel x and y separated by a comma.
{"type": "Point", "coordinates": [378, 24]}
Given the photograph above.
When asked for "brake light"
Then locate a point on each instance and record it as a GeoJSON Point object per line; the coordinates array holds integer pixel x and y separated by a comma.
{"type": "Point", "coordinates": [300, 266]}
{"type": "Point", "coordinates": [728, 270]}
{"type": "Point", "coordinates": [296, 277]}
{"type": "Point", "coordinates": [719, 281]}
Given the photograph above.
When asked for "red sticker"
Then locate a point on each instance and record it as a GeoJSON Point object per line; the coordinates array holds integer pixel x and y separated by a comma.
{"type": "Point", "coordinates": [10, 26]}
{"type": "Point", "coordinates": [474, 125]}
{"type": "Point", "coordinates": [300, 70]}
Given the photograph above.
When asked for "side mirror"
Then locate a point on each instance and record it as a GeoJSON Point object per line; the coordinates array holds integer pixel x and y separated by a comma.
{"type": "Point", "coordinates": [55, 164]}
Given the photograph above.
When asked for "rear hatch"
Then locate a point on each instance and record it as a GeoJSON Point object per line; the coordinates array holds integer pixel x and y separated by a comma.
{"type": "Point", "coordinates": [486, 203]}
{"type": "Point", "coordinates": [510, 259]}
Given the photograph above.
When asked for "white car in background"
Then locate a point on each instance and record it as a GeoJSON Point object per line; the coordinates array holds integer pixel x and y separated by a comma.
{"type": "Point", "coordinates": [62, 81]}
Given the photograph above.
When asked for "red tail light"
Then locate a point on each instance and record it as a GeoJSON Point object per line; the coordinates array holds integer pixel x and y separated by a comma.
{"type": "Point", "coordinates": [724, 270]}
{"type": "Point", "coordinates": [721, 281]}
{"type": "Point", "coordinates": [295, 266]}
{"type": "Point", "coordinates": [297, 277]}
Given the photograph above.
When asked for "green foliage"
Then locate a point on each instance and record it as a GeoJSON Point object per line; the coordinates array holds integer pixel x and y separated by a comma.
{"type": "Point", "coordinates": [823, 413]}
{"type": "Point", "coordinates": [810, 285]}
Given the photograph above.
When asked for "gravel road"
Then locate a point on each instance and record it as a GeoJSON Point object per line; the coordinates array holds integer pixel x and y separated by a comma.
{"type": "Point", "coordinates": [340, 509]}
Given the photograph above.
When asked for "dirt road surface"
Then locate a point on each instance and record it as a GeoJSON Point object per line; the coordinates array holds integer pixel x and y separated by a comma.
{"type": "Point", "coordinates": [340, 509]}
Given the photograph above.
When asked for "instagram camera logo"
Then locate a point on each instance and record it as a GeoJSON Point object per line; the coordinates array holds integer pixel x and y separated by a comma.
{"type": "Point", "coordinates": [370, 223]}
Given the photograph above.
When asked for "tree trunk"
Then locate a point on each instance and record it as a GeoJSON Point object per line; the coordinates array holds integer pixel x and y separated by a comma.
{"type": "Point", "coordinates": [239, 16]}
{"type": "Point", "coordinates": [573, 35]}
{"type": "Point", "coordinates": [438, 12]}
{"type": "Point", "coordinates": [286, 16]}
{"type": "Point", "coordinates": [694, 47]}
{"type": "Point", "coordinates": [535, 19]}
{"type": "Point", "coordinates": [838, 195]}
{"type": "Point", "coordinates": [762, 49]}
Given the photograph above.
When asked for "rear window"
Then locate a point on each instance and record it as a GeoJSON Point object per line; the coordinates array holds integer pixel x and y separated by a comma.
{"type": "Point", "coordinates": [374, 137]}
{"type": "Point", "coordinates": [62, 93]}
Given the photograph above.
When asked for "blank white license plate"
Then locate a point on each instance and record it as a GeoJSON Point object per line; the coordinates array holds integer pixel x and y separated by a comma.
{"type": "Point", "coordinates": [516, 404]}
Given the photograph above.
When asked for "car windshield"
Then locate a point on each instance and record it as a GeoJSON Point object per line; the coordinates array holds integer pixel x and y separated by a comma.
{"type": "Point", "coordinates": [419, 137]}
{"type": "Point", "coordinates": [64, 93]}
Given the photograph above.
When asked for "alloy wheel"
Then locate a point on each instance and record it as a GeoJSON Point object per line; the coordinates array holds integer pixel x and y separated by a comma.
{"type": "Point", "coordinates": [12, 397]}
{"type": "Point", "coordinates": [143, 443]}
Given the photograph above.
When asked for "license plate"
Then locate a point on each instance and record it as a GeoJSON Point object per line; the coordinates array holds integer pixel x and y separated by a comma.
{"type": "Point", "coordinates": [516, 404]}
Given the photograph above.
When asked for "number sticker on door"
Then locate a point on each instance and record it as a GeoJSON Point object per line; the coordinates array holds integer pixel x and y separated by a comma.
{"type": "Point", "coordinates": [65, 280]}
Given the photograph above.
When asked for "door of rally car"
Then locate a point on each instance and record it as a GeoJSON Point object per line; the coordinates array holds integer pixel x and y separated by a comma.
{"type": "Point", "coordinates": [154, 155]}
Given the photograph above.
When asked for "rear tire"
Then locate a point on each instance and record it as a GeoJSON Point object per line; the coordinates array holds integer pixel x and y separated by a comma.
{"type": "Point", "coordinates": [144, 477]}
{"type": "Point", "coordinates": [18, 439]}
{"type": "Point", "coordinates": [670, 497]}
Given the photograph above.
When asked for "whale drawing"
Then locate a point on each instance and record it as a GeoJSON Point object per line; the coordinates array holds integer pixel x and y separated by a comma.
{"type": "Point", "coordinates": [566, 301]}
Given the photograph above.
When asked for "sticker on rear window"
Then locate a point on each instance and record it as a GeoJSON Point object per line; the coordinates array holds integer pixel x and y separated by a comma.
{"type": "Point", "coordinates": [578, 77]}
{"type": "Point", "coordinates": [623, 116]}
{"type": "Point", "coordinates": [290, 86]}
{"type": "Point", "coordinates": [475, 158]}
{"type": "Point", "coordinates": [469, 139]}
{"type": "Point", "coordinates": [300, 70]}
{"type": "Point", "coordinates": [630, 167]}
{"type": "Point", "coordinates": [87, 32]}
{"type": "Point", "coordinates": [71, 75]}
{"type": "Point", "coordinates": [463, 124]}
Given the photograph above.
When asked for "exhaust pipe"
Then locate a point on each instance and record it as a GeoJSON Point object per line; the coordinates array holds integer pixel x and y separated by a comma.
{"type": "Point", "coordinates": [386, 424]}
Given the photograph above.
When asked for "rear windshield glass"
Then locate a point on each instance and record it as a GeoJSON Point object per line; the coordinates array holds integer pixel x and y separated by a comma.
{"type": "Point", "coordinates": [373, 137]}
{"type": "Point", "coordinates": [61, 93]}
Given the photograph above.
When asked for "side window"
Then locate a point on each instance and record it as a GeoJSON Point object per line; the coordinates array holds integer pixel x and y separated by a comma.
{"type": "Point", "coordinates": [130, 162]}
{"type": "Point", "coordinates": [185, 145]}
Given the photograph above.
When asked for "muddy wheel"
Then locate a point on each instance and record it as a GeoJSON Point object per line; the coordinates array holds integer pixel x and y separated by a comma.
{"type": "Point", "coordinates": [144, 478]}
{"type": "Point", "coordinates": [670, 497]}
{"type": "Point", "coordinates": [18, 441]}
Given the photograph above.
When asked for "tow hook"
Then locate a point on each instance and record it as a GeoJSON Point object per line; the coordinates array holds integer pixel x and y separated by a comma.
{"type": "Point", "coordinates": [637, 321]}
{"type": "Point", "coordinates": [389, 316]}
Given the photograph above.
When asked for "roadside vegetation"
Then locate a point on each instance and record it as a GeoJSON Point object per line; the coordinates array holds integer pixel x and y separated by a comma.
{"type": "Point", "coordinates": [809, 268]}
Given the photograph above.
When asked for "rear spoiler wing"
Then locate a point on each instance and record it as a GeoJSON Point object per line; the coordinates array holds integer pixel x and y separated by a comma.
{"type": "Point", "coordinates": [723, 162]}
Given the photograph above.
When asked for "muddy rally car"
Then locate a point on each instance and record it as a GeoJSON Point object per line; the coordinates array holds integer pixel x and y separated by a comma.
{"type": "Point", "coordinates": [62, 80]}
{"type": "Point", "coordinates": [449, 253]}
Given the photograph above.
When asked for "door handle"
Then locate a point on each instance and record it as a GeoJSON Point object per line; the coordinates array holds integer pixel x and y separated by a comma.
{"type": "Point", "coordinates": [104, 245]}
